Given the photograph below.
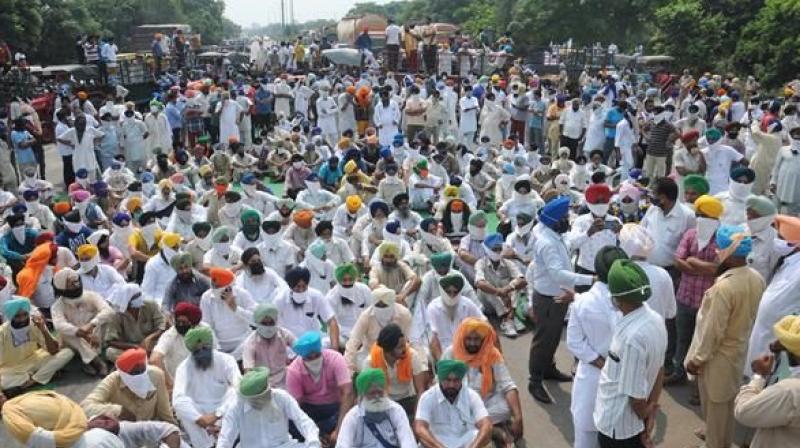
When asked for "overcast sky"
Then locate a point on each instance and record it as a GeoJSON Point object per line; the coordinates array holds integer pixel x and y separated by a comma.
{"type": "Point", "coordinates": [247, 12]}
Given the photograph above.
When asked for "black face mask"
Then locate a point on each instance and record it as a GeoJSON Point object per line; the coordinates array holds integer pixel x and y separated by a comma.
{"type": "Point", "coordinates": [182, 329]}
{"type": "Point", "coordinates": [203, 357]}
{"type": "Point", "coordinates": [73, 293]}
{"type": "Point", "coordinates": [561, 226]}
{"type": "Point", "coordinates": [18, 325]}
{"type": "Point", "coordinates": [257, 269]}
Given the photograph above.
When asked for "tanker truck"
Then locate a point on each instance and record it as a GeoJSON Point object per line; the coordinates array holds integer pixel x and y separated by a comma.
{"type": "Point", "coordinates": [350, 27]}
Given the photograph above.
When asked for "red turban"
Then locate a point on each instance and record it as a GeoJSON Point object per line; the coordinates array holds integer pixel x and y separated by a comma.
{"type": "Point", "coordinates": [598, 193]}
{"type": "Point", "coordinates": [221, 277]}
{"type": "Point", "coordinates": [690, 136]}
{"type": "Point", "coordinates": [190, 311]}
{"type": "Point", "coordinates": [44, 237]}
{"type": "Point", "coordinates": [131, 358]}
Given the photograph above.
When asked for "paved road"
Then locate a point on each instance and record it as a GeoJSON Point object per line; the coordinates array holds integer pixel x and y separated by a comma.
{"type": "Point", "coordinates": [547, 426]}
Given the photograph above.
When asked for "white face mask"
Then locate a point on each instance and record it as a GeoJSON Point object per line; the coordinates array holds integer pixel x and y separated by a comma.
{"type": "Point", "coordinates": [297, 165]}
{"type": "Point", "coordinates": [313, 187]}
{"type": "Point", "coordinates": [739, 190]}
{"type": "Point", "coordinates": [168, 253]}
{"type": "Point", "coordinates": [477, 233]}
{"type": "Point", "coordinates": [267, 331]}
{"type": "Point", "coordinates": [449, 301]}
{"type": "Point", "coordinates": [384, 315]}
{"type": "Point", "coordinates": [250, 189]}
{"type": "Point", "coordinates": [758, 225]}
{"type": "Point", "coordinates": [88, 266]}
{"type": "Point", "coordinates": [705, 231]}
{"type": "Point", "coordinates": [153, 109]}
{"type": "Point", "coordinates": [149, 230]}
{"type": "Point", "coordinates": [140, 384]}
{"type": "Point", "coordinates": [492, 255]}
{"type": "Point", "coordinates": [526, 229]}
{"type": "Point", "coordinates": [598, 210]}
{"type": "Point", "coordinates": [314, 366]}
{"type": "Point", "coordinates": [222, 248]}
{"type": "Point", "coordinates": [205, 243]}
{"type": "Point", "coordinates": [19, 233]}
{"type": "Point", "coordinates": [73, 227]}
{"type": "Point", "coordinates": [124, 231]}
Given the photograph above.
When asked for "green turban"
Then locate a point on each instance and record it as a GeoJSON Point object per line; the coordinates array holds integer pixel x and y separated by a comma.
{"type": "Point", "coordinates": [713, 134]}
{"type": "Point", "coordinates": [317, 249]}
{"type": "Point", "coordinates": [761, 205]}
{"type": "Point", "coordinates": [181, 260]}
{"type": "Point", "coordinates": [446, 367]}
{"type": "Point", "coordinates": [248, 214]}
{"type": "Point", "coordinates": [605, 257]}
{"type": "Point", "coordinates": [628, 282]}
{"type": "Point", "coordinates": [345, 269]}
{"type": "Point", "coordinates": [369, 377]}
{"type": "Point", "coordinates": [222, 232]}
{"type": "Point", "coordinates": [200, 335]}
{"type": "Point", "coordinates": [264, 310]}
{"type": "Point", "coordinates": [201, 227]}
{"type": "Point", "coordinates": [524, 217]}
{"type": "Point", "coordinates": [477, 217]}
{"type": "Point", "coordinates": [255, 382]}
{"type": "Point", "coordinates": [452, 280]}
{"type": "Point", "coordinates": [441, 260]}
{"type": "Point", "coordinates": [696, 183]}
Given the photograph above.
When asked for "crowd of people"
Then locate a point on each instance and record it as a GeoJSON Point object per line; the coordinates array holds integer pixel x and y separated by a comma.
{"type": "Point", "coordinates": [317, 259]}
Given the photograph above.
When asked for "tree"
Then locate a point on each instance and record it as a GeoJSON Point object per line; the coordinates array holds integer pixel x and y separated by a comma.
{"type": "Point", "coordinates": [683, 30]}
{"type": "Point", "coordinates": [769, 43]}
{"type": "Point", "coordinates": [21, 23]}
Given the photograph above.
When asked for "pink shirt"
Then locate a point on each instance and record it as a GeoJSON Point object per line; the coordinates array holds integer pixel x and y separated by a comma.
{"type": "Point", "coordinates": [304, 389]}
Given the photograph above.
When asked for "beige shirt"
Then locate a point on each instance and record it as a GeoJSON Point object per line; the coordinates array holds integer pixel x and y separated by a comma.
{"type": "Point", "coordinates": [125, 328]}
{"type": "Point", "coordinates": [773, 412]}
{"type": "Point", "coordinates": [111, 396]}
{"type": "Point", "coordinates": [393, 278]}
{"type": "Point", "coordinates": [69, 315]}
{"type": "Point", "coordinates": [365, 333]}
{"type": "Point", "coordinates": [397, 390]}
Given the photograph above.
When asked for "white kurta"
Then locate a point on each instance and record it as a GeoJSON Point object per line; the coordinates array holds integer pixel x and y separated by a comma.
{"type": "Point", "coordinates": [386, 119]}
{"type": "Point", "coordinates": [228, 116]}
{"type": "Point", "coordinates": [160, 133]}
{"type": "Point", "coordinates": [263, 288]}
{"type": "Point", "coordinates": [327, 113]}
{"type": "Point", "coordinates": [492, 116]}
{"type": "Point", "coordinates": [230, 327]}
{"type": "Point", "coordinates": [83, 150]}
{"type": "Point", "coordinates": [469, 120]}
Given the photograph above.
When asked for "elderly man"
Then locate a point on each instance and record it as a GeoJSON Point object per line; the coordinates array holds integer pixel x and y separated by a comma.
{"type": "Point", "coordinates": [549, 283]}
{"type": "Point", "coordinates": [377, 421]}
{"type": "Point", "coordinates": [260, 281]}
{"type": "Point", "coordinates": [170, 350]}
{"type": "Point", "coordinates": [773, 411]}
{"type": "Point", "coordinates": [449, 414]}
{"type": "Point", "coordinates": [393, 273]}
{"type": "Point", "coordinates": [719, 345]}
{"type": "Point", "coordinates": [135, 391]}
{"type": "Point", "coordinates": [78, 317]}
{"type": "Point", "coordinates": [365, 332]}
{"type": "Point", "coordinates": [475, 344]}
{"type": "Point", "coordinates": [267, 346]}
{"type": "Point", "coordinates": [260, 417]}
{"type": "Point", "coordinates": [222, 254]}
{"type": "Point", "coordinates": [631, 378]}
{"type": "Point", "coordinates": [188, 286]}
{"type": "Point", "coordinates": [498, 281]}
{"type": "Point", "coordinates": [95, 276]}
{"type": "Point", "coordinates": [204, 387]}
{"type": "Point", "coordinates": [228, 310]}
{"type": "Point", "coordinates": [136, 323]}
{"type": "Point", "coordinates": [157, 271]}
{"type": "Point", "coordinates": [444, 314]}
{"type": "Point", "coordinates": [589, 330]}
{"type": "Point", "coordinates": [321, 382]}
{"type": "Point", "coordinates": [302, 309]}
{"type": "Point", "coordinates": [30, 354]}
{"type": "Point", "coordinates": [348, 299]}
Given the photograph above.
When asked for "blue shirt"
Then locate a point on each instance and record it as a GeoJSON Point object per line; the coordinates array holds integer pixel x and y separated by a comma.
{"type": "Point", "coordinates": [263, 100]}
{"type": "Point", "coordinates": [157, 50]}
{"type": "Point", "coordinates": [24, 155]}
{"type": "Point", "coordinates": [613, 116]}
{"type": "Point", "coordinates": [174, 117]}
{"type": "Point", "coordinates": [363, 42]}
{"type": "Point", "coordinates": [537, 121]}
{"type": "Point", "coordinates": [73, 240]}
{"type": "Point", "coordinates": [328, 176]}
{"type": "Point", "coordinates": [12, 250]}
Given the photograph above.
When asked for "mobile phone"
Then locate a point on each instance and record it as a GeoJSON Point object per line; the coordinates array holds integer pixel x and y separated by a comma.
{"type": "Point", "coordinates": [609, 225]}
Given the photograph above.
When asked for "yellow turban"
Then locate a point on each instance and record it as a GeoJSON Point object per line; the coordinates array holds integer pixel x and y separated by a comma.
{"type": "Point", "coordinates": [344, 143]}
{"type": "Point", "coordinates": [709, 206]}
{"type": "Point", "coordinates": [787, 330]}
{"type": "Point", "coordinates": [134, 204]}
{"type": "Point", "coordinates": [387, 248]}
{"type": "Point", "coordinates": [353, 203]}
{"type": "Point", "coordinates": [86, 251]}
{"type": "Point", "coordinates": [350, 167]}
{"type": "Point", "coordinates": [450, 192]}
{"type": "Point", "coordinates": [47, 410]}
{"type": "Point", "coordinates": [205, 169]}
{"type": "Point", "coordinates": [169, 239]}
{"type": "Point", "coordinates": [165, 183]}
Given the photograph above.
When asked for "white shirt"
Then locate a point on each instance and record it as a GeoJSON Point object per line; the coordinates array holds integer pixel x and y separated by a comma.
{"type": "Point", "coordinates": [718, 166]}
{"type": "Point", "coordinates": [343, 220]}
{"type": "Point", "coordinates": [267, 427]}
{"type": "Point", "coordinates": [262, 288]}
{"type": "Point", "coordinates": [157, 275]}
{"type": "Point", "coordinates": [573, 121]}
{"type": "Point", "coordinates": [305, 317]}
{"type": "Point", "coordinates": [578, 239]}
{"type": "Point", "coordinates": [767, 250]}
{"type": "Point", "coordinates": [469, 119]}
{"type": "Point", "coordinates": [198, 391]}
{"type": "Point", "coordinates": [554, 265]}
{"type": "Point", "coordinates": [442, 325]}
{"type": "Point", "coordinates": [392, 33]}
{"type": "Point", "coordinates": [347, 314]}
{"type": "Point", "coordinates": [230, 327]}
{"type": "Point", "coordinates": [635, 357]}
{"type": "Point", "coordinates": [170, 345]}
{"type": "Point", "coordinates": [453, 424]}
{"type": "Point", "coordinates": [662, 291]}
{"type": "Point", "coordinates": [104, 282]}
{"type": "Point", "coordinates": [667, 231]}
{"type": "Point", "coordinates": [395, 429]}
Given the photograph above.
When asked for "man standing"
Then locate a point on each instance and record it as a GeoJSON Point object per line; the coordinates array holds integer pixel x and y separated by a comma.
{"type": "Point", "coordinates": [519, 103]}
{"type": "Point", "coordinates": [630, 383]}
{"type": "Point", "coordinates": [573, 125]}
{"type": "Point", "coordinates": [386, 117]}
{"type": "Point", "coordinates": [659, 146]}
{"type": "Point", "coordinates": [468, 124]}
{"type": "Point", "coordinates": [719, 345]}
{"type": "Point", "coordinates": [392, 34]}
{"type": "Point", "coordinates": [550, 300]}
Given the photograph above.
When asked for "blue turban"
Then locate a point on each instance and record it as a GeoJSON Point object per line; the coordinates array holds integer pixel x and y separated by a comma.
{"type": "Point", "coordinates": [119, 217]}
{"type": "Point", "coordinates": [385, 152]}
{"type": "Point", "coordinates": [740, 171]}
{"type": "Point", "coordinates": [553, 211]}
{"type": "Point", "coordinates": [493, 241]}
{"type": "Point", "coordinates": [82, 173]}
{"type": "Point", "coordinates": [725, 237]}
{"type": "Point", "coordinates": [15, 305]}
{"type": "Point", "coordinates": [508, 168]}
{"type": "Point", "coordinates": [30, 195]}
{"type": "Point", "coordinates": [248, 179]}
{"type": "Point", "coordinates": [393, 226]}
{"type": "Point", "coordinates": [427, 223]}
{"type": "Point", "coordinates": [398, 138]}
{"type": "Point", "coordinates": [310, 342]}
{"type": "Point", "coordinates": [312, 177]}
{"type": "Point", "coordinates": [19, 208]}
{"type": "Point", "coordinates": [147, 176]}
{"type": "Point", "coordinates": [376, 205]}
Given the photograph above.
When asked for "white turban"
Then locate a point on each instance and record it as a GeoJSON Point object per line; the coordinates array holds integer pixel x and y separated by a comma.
{"type": "Point", "coordinates": [635, 240]}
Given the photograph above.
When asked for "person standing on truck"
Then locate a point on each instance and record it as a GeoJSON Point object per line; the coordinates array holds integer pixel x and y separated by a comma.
{"type": "Point", "coordinates": [392, 34]}
{"type": "Point", "coordinates": [364, 45]}
{"type": "Point", "coordinates": [410, 45]}
{"type": "Point", "coordinates": [158, 54]}
{"type": "Point", "coordinates": [429, 47]}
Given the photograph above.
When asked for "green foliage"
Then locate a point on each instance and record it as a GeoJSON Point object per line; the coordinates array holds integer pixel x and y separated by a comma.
{"type": "Point", "coordinates": [769, 44]}
{"type": "Point", "coordinates": [684, 29]}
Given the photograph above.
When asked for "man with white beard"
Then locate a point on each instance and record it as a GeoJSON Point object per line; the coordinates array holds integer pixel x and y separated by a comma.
{"type": "Point", "coordinates": [204, 387]}
{"type": "Point", "coordinates": [327, 112]}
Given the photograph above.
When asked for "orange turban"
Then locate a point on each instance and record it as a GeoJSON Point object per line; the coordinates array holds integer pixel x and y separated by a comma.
{"type": "Point", "coordinates": [131, 358]}
{"type": "Point", "coordinates": [61, 208]}
{"type": "Point", "coordinates": [486, 357]}
{"type": "Point", "coordinates": [353, 203]}
{"type": "Point", "coordinates": [351, 90]}
{"type": "Point", "coordinates": [28, 277]}
{"type": "Point", "coordinates": [221, 277]}
{"type": "Point", "coordinates": [303, 218]}
{"type": "Point", "coordinates": [788, 228]}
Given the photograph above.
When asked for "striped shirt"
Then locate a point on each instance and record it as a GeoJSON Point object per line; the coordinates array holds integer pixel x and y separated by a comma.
{"type": "Point", "coordinates": [634, 360]}
{"type": "Point", "coordinates": [658, 143]}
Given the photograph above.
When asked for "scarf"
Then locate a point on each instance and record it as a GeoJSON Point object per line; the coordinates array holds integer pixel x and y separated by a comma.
{"type": "Point", "coordinates": [486, 357]}
{"type": "Point", "coordinates": [403, 366]}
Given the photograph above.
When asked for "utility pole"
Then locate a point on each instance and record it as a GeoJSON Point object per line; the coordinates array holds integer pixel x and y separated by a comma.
{"type": "Point", "coordinates": [283, 17]}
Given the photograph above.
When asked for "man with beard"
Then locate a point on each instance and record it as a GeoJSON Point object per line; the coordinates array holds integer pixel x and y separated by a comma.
{"type": "Point", "coordinates": [337, 249]}
{"type": "Point", "coordinates": [187, 286]}
{"type": "Point", "coordinates": [475, 344]}
{"type": "Point", "coordinates": [260, 416]}
{"type": "Point", "coordinates": [393, 273]}
{"type": "Point", "coordinates": [204, 387]}
{"type": "Point", "coordinates": [376, 421]}
{"type": "Point", "coordinates": [260, 281]}
{"type": "Point", "coordinates": [302, 309]}
{"type": "Point", "coordinates": [78, 316]}
{"type": "Point", "coordinates": [523, 200]}
{"type": "Point", "coordinates": [409, 219]}
{"type": "Point", "coordinates": [250, 234]}
{"type": "Point", "coordinates": [200, 244]}
{"type": "Point", "coordinates": [136, 322]}
{"type": "Point", "coordinates": [170, 349]}
{"type": "Point", "coordinates": [450, 415]}
{"type": "Point", "coordinates": [498, 282]}
{"type": "Point", "coordinates": [30, 354]}
{"type": "Point", "coordinates": [550, 298]}
{"type": "Point", "coordinates": [719, 345]}
{"type": "Point", "coordinates": [666, 221]}
{"type": "Point", "coordinates": [734, 200]}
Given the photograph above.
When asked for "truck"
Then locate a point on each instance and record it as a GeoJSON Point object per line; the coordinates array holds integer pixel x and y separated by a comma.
{"type": "Point", "coordinates": [350, 27]}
